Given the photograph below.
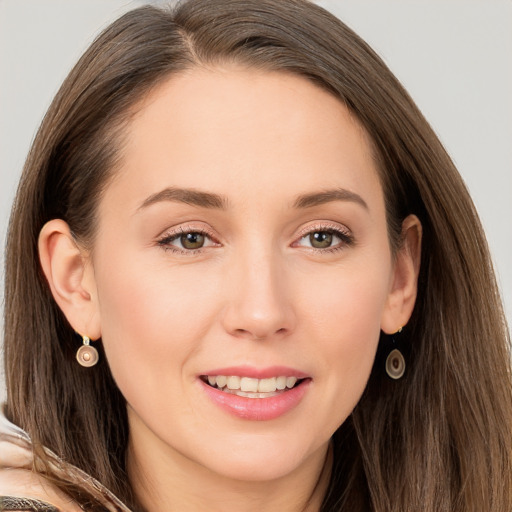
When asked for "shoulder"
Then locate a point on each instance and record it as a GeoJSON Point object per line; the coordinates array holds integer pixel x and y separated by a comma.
{"type": "Point", "coordinates": [21, 488]}
{"type": "Point", "coordinates": [24, 488]}
{"type": "Point", "coordinates": [22, 478]}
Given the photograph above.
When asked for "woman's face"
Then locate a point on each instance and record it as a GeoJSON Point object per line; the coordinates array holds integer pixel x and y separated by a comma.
{"type": "Point", "coordinates": [243, 245]}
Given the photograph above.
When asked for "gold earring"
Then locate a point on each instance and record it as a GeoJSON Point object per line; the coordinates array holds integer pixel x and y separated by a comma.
{"type": "Point", "coordinates": [87, 355]}
{"type": "Point", "coordinates": [395, 362]}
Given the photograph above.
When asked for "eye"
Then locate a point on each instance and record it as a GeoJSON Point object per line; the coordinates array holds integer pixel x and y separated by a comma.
{"type": "Point", "coordinates": [192, 240]}
{"type": "Point", "coordinates": [326, 239]}
{"type": "Point", "coordinates": [321, 239]}
{"type": "Point", "coordinates": [186, 241]}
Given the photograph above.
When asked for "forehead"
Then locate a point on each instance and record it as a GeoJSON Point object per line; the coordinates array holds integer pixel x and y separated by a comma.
{"type": "Point", "coordinates": [233, 130]}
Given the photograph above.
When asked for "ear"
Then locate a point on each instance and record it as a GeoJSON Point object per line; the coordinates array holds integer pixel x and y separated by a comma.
{"type": "Point", "coordinates": [404, 282]}
{"type": "Point", "coordinates": [70, 275]}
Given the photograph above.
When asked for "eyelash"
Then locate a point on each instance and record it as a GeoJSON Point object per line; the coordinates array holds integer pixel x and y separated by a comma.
{"type": "Point", "coordinates": [165, 241]}
{"type": "Point", "coordinates": [346, 238]}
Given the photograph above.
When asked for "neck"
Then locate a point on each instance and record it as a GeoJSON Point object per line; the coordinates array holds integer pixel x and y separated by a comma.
{"type": "Point", "coordinates": [164, 479]}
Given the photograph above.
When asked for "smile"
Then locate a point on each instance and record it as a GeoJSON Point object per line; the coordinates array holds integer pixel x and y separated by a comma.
{"type": "Point", "coordinates": [255, 394]}
{"type": "Point", "coordinates": [251, 387]}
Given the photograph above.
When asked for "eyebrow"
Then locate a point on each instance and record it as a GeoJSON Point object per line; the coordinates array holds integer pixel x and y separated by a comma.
{"type": "Point", "coordinates": [214, 201]}
{"type": "Point", "coordinates": [187, 196]}
{"type": "Point", "coordinates": [327, 196]}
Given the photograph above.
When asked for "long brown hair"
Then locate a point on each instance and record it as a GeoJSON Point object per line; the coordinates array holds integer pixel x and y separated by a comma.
{"type": "Point", "coordinates": [437, 440]}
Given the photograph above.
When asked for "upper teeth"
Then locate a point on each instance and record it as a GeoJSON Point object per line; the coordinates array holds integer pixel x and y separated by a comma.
{"type": "Point", "coordinates": [252, 385]}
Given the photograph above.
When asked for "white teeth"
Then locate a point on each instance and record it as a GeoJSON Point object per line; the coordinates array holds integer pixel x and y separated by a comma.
{"type": "Point", "coordinates": [249, 395]}
{"type": "Point", "coordinates": [251, 387]}
{"type": "Point", "coordinates": [233, 382]}
{"type": "Point", "coordinates": [221, 381]}
{"type": "Point", "coordinates": [267, 385]}
{"type": "Point", "coordinates": [290, 382]}
{"type": "Point", "coordinates": [281, 383]}
{"type": "Point", "coordinates": [248, 384]}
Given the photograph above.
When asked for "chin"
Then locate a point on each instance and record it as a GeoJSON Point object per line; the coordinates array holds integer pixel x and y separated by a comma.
{"type": "Point", "coordinates": [262, 463]}
{"type": "Point", "coordinates": [251, 470]}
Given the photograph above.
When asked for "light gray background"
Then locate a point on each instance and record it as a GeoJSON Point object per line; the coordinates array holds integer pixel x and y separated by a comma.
{"type": "Point", "coordinates": [453, 56]}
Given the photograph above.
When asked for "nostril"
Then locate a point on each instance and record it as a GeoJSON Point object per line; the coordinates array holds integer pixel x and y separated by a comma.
{"type": "Point", "coordinates": [243, 333]}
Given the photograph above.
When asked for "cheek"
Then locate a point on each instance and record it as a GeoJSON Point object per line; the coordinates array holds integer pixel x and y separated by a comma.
{"type": "Point", "coordinates": [149, 314]}
{"type": "Point", "coordinates": [345, 324]}
{"type": "Point", "coordinates": [346, 304]}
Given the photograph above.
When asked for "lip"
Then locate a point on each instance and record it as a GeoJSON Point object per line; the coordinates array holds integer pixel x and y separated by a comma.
{"type": "Point", "coordinates": [257, 409]}
{"type": "Point", "coordinates": [258, 373]}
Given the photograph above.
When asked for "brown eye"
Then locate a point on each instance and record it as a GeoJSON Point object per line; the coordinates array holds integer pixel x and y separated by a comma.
{"type": "Point", "coordinates": [320, 239]}
{"type": "Point", "coordinates": [187, 241]}
{"type": "Point", "coordinates": [192, 240]}
{"type": "Point", "coordinates": [326, 239]}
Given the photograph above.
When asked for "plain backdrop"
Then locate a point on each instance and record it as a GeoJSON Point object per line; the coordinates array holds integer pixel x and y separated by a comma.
{"type": "Point", "coordinates": [453, 56]}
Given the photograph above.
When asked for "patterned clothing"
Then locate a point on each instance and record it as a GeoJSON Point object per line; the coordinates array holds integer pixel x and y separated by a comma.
{"type": "Point", "coordinates": [22, 488]}
{"type": "Point", "coordinates": [26, 504]}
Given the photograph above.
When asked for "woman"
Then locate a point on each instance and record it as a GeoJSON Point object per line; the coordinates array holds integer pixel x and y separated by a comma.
{"type": "Point", "coordinates": [243, 274]}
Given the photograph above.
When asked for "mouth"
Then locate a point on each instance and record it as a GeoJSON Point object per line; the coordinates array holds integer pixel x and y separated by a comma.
{"type": "Point", "coordinates": [250, 387]}
{"type": "Point", "coordinates": [256, 394]}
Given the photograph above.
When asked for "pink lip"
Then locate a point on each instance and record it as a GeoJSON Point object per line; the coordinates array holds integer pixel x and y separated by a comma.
{"type": "Point", "coordinates": [257, 409]}
{"type": "Point", "coordinates": [258, 373]}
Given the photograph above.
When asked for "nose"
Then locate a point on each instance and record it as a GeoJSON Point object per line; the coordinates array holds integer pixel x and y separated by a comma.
{"type": "Point", "coordinates": [259, 305]}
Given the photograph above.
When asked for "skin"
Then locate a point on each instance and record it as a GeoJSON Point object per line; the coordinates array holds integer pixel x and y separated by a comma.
{"type": "Point", "coordinates": [257, 293]}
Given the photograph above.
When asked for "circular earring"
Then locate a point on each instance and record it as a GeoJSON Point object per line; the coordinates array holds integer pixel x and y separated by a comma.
{"type": "Point", "coordinates": [395, 362]}
{"type": "Point", "coordinates": [87, 355]}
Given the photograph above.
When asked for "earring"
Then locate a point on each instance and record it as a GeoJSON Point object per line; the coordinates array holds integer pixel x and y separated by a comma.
{"type": "Point", "coordinates": [395, 362]}
{"type": "Point", "coordinates": [87, 355]}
